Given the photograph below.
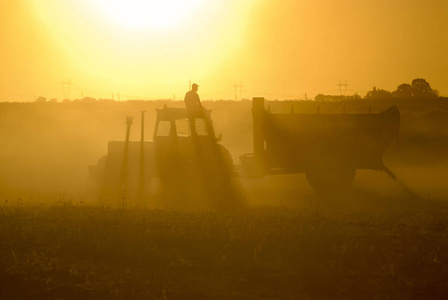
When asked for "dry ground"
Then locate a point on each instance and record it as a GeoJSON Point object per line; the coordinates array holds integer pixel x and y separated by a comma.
{"type": "Point", "coordinates": [287, 243]}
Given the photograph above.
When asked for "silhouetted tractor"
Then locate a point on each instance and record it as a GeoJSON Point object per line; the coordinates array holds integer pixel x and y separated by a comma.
{"type": "Point", "coordinates": [328, 148]}
{"type": "Point", "coordinates": [188, 164]}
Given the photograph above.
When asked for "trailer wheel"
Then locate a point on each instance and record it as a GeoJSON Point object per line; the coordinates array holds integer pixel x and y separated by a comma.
{"type": "Point", "coordinates": [327, 180]}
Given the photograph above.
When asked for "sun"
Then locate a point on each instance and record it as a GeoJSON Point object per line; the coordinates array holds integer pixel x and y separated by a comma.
{"type": "Point", "coordinates": [142, 14]}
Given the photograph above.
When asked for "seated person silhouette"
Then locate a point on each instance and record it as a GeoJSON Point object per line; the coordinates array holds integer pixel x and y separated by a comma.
{"type": "Point", "coordinates": [194, 107]}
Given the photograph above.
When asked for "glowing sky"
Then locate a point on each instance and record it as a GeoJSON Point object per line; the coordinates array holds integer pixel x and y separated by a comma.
{"type": "Point", "coordinates": [277, 49]}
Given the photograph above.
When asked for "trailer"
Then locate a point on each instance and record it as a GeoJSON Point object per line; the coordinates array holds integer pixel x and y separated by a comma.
{"type": "Point", "coordinates": [328, 148]}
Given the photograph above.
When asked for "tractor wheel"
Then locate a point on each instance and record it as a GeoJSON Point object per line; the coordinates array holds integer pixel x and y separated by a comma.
{"type": "Point", "coordinates": [328, 180]}
{"type": "Point", "coordinates": [225, 163]}
{"type": "Point", "coordinates": [216, 171]}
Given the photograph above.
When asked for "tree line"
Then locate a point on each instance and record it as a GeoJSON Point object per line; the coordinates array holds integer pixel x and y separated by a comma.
{"type": "Point", "coordinates": [419, 88]}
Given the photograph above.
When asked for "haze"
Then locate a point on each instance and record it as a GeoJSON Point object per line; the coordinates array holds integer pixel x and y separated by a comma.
{"type": "Point", "coordinates": [110, 189]}
{"type": "Point", "coordinates": [279, 49]}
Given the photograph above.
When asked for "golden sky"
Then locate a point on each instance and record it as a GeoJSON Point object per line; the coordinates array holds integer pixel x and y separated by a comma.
{"type": "Point", "coordinates": [277, 49]}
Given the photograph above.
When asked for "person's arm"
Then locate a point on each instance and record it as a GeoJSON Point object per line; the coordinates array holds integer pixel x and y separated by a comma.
{"type": "Point", "coordinates": [199, 102]}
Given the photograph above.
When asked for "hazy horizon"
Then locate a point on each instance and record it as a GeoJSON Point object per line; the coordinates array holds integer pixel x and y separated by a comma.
{"type": "Point", "coordinates": [279, 50]}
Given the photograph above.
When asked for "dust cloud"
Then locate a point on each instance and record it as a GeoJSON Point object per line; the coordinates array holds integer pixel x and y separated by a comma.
{"type": "Point", "coordinates": [272, 237]}
{"type": "Point", "coordinates": [47, 148]}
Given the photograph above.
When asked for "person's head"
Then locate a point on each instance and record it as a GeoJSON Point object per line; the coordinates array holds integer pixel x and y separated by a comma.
{"type": "Point", "coordinates": [194, 87]}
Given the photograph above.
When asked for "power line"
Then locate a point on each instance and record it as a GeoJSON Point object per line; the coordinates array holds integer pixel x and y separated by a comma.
{"type": "Point", "coordinates": [343, 85]}
{"type": "Point", "coordinates": [238, 88]}
{"type": "Point", "coordinates": [66, 88]}
{"type": "Point", "coordinates": [118, 94]}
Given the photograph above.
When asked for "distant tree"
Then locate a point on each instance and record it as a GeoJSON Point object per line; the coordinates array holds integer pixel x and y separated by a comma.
{"type": "Point", "coordinates": [330, 98]}
{"type": "Point", "coordinates": [106, 100]}
{"type": "Point", "coordinates": [421, 88]}
{"type": "Point", "coordinates": [336, 98]}
{"type": "Point", "coordinates": [321, 97]}
{"type": "Point", "coordinates": [356, 96]}
{"type": "Point", "coordinates": [88, 99]}
{"type": "Point", "coordinates": [41, 99]}
{"type": "Point", "coordinates": [378, 94]}
{"type": "Point", "coordinates": [404, 90]}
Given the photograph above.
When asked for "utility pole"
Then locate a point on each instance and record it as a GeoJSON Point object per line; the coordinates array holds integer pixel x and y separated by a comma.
{"type": "Point", "coordinates": [141, 184]}
{"type": "Point", "coordinates": [66, 88]}
{"type": "Point", "coordinates": [343, 85]}
{"type": "Point", "coordinates": [238, 88]}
